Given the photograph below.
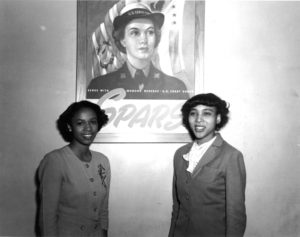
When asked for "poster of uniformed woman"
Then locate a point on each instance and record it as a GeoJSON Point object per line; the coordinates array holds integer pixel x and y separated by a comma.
{"type": "Point", "coordinates": [140, 61]}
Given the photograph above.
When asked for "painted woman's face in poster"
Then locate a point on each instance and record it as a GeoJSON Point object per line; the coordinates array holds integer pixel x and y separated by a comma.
{"type": "Point", "coordinates": [139, 41]}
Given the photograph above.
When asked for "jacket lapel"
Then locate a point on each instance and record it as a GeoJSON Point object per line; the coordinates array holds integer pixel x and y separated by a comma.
{"type": "Point", "coordinates": [209, 155]}
{"type": "Point", "coordinates": [185, 162]}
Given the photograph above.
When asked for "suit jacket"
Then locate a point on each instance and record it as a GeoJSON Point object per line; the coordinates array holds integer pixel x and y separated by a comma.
{"type": "Point", "coordinates": [157, 85]}
{"type": "Point", "coordinates": [74, 194]}
{"type": "Point", "coordinates": [210, 202]}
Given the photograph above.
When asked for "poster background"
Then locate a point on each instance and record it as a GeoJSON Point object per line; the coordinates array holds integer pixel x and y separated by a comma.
{"type": "Point", "coordinates": [190, 70]}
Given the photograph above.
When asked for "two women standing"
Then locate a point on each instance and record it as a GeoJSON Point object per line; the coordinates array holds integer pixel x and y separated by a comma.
{"type": "Point", "coordinates": [208, 184]}
{"type": "Point", "coordinates": [209, 174]}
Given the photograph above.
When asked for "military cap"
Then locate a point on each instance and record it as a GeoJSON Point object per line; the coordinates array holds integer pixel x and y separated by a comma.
{"type": "Point", "coordinates": [137, 10]}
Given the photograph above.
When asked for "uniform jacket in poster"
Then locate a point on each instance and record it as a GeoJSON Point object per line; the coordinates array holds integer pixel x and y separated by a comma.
{"type": "Point", "coordinates": [157, 85]}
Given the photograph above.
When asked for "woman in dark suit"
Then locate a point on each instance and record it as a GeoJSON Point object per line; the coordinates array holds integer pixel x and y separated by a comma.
{"type": "Point", "coordinates": [75, 181]}
{"type": "Point", "coordinates": [136, 33]}
{"type": "Point", "coordinates": [209, 175]}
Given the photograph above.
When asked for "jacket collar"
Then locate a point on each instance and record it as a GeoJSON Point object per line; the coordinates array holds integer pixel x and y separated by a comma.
{"type": "Point", "coordinates": [133, 70]}
{"type": "Point", "coordinates": [153, 74]}
{"type": "Point", "coordinates": [209, 155]}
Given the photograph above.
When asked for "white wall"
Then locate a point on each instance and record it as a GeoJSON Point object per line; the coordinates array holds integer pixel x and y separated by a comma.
{"type": "Point", "coordinates": [252, 59]}
{"type": "Point", "coordinates": [37, 73]}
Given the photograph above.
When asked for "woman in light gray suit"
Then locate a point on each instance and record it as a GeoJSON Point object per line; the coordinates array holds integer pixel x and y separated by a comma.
{"type": "Point", "coordinates": [75, 181]}
{"type": "Point", "coordinates": [209, 175]}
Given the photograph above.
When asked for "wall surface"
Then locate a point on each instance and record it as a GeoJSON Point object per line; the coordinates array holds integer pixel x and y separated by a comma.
{"type": "Point", "coordinates": [37, 69]}
{"type": "Point", "coordinates": [252, 59]}
{"type": "Point", "coordinates": [252, 54]}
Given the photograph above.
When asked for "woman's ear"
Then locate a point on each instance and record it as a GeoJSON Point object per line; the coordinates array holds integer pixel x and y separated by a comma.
{"type": "Point", "coordinates": [122, 42]}
{"type": "Point", "coordinates": [69, 127]}
{"type": "Point", "coordinates": [218, 118]}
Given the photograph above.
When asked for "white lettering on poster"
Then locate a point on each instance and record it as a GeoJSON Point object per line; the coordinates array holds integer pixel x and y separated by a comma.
{"type": "Point", "coordinates": [161, 116]}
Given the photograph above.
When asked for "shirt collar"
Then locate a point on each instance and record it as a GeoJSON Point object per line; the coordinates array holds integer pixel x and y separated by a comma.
{"type": "Point", "coordinates": [133, 69]}
{"type": "Point", "coordinates": [198, 148]}
{"type": "Point", "coordinates": [203, 145]}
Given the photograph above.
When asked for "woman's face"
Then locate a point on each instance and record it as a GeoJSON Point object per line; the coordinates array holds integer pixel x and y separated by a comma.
{"type": "Point", "coordinates": [139, 39]}
{"type": "Point", "coordinates": [84, 126]}
{"type": "Point", "coordinates": [203, 120]}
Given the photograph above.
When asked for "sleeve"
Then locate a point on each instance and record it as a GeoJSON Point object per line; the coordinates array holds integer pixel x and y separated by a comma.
{"type": "Point", "coordinates": [175, 206]}
{"type": "Point", "coordinates": [235, 196]}
{"type": "Point", "coordinates": [50, 177]}
{"type": "Point", "coordinates": [104, 209]}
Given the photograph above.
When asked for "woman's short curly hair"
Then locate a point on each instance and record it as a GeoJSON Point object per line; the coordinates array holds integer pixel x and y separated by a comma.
{"type": "Point", "coordinates": [66, 117]}
{"type": "Point", "coordinates": [118, 35]}
{"type": "Point", "coordinates": [209, 99]}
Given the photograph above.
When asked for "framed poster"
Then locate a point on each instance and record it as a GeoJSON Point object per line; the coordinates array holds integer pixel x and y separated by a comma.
{"type": "Point", "coordinates": [147, 109]}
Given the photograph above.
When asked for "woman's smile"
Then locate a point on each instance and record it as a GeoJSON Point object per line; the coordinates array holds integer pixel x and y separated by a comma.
{"type": "Point", "coordinates": [199, 128]}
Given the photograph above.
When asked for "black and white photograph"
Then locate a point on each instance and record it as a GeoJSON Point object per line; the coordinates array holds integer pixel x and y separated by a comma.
{"type": "Point", "coordinates": [149, 118]}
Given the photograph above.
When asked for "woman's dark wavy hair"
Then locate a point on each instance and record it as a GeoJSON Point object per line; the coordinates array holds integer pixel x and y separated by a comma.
{"type": "Point", "coordinates": [118, 35]}
{"type": "Point", "coordinates": [66, 117]}
{"type": "Point", "coordinates": [209, 99]}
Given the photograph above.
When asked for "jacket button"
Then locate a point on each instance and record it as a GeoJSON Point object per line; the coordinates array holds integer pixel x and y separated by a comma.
{"type": "Point", "coordinates": [91, 179]}
{"type": "Point", "coordinates": [82, 227]}
{"type": "Point", "coordinates": [187, 197]}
